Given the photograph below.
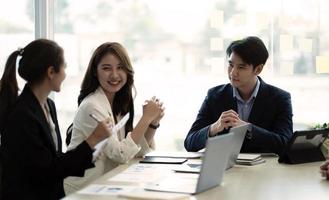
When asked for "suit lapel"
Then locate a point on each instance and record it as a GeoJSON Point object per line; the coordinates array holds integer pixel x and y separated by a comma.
{"type": "Point", "coordinates": [52, 110]}
{"type": "Point", "coordinates": [40, 116]}
{"type": "Point", "coordinates": [260, 103]}
{"type": "Point", "coordinates": [45, 125]}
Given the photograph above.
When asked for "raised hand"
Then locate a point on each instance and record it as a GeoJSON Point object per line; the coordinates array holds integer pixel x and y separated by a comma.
{"type": "Point", "coordinates": [226, 120]}
{"type": "Point", "coordinates": [152, 110]}
{"type": "Point", "coordinates": [102, 131]}
{"type": "Point", "coordinates": [156, 121]}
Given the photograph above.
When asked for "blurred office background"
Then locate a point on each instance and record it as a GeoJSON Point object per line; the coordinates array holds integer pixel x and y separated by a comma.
{"type": "Point", "coordinates": [178, 50]}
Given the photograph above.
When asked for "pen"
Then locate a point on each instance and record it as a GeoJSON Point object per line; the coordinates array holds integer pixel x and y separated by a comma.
{"type": "Point", "coordinates": [93, 116]}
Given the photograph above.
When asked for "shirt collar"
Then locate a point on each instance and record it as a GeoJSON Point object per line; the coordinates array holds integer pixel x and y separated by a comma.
{"type": "Point", "coordinates": [253, 95]}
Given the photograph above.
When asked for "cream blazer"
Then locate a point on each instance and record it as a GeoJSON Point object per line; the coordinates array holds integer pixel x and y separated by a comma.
{"type": "Point", "coordinates": [118, 150]}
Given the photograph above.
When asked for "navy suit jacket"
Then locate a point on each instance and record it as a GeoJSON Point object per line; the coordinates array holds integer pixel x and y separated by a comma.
{"type": "Point", "coordinates": [32, 168]}
{"type": "Point", "coordinates": [270, 118]}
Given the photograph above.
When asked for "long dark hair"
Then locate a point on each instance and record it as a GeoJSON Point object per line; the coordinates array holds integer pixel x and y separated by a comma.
{"type": "Point", "coordinates": [123, 99]}
{"type": "Point", "coordinates": [35, 60]}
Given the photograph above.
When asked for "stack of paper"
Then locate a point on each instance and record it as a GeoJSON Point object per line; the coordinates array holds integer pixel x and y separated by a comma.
{"type": "Point", "coordinates": [249, 159]}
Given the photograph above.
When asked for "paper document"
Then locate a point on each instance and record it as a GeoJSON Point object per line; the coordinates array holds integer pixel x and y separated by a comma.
{"type": "Point", "coordinates": [188, 168]}
{"type": "Point", "coordinates": [142, 194]}
{"type": "Point", "coordinates": [121, 123]}
{"type": "Point", "coordinates": [115, 129]}
{"type": "Point", "coordinates": [96, 189]}
{"type": "Point", "coordinates": [142, 174]}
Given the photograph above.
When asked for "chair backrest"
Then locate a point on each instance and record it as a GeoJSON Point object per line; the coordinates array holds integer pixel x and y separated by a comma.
{"type": "Point", "coordinates": [69, 134]}
{"type": "Point", "coordinates": [0, 176]}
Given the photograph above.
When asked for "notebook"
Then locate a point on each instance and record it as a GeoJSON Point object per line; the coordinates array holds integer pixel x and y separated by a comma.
{"type": "Point", "coordinates": [250, 162]}
{"type": "Point", "coordinates": [212, 170]}
{"type": "Point", "coordinates": [160, 160]}
{"type": "Point", "coordinates": [174, 154]}
{"type": "Point", "coordinates": [249, 156]}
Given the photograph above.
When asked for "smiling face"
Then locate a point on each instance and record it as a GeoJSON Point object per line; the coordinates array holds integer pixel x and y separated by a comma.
{"type": "Point", "coordinates": [243, 76]}
{"type": "Point", "coordinates": [111, 75]}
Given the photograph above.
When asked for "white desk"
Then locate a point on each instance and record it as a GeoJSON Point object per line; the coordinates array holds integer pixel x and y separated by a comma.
{"type": "Point", "coordinates": [270, 181]}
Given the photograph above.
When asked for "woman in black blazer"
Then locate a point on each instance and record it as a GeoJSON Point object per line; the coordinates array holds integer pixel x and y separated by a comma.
{"type": "Point", "coordinates": [32, 161]}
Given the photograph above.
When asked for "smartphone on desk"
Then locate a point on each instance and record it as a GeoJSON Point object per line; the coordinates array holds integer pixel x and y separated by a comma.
{"type": "Point", "coordinates": [161, 160]}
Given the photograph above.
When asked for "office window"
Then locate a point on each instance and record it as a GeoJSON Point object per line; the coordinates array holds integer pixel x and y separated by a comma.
{"type": "Point", "coordinates": [16, 27]}
{"type": "Point", "coordinates": [178, 52]}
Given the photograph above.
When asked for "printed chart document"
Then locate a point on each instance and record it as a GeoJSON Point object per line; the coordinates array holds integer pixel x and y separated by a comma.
{"type": "Point", "coordinates": [130, 192]}
{"type": "Point", "coordinates": [115, 129]}
{"type": "Point", "coordinates": [191, 166]}
{"type": "Point", "coordinates": [142, 174]}
{"type": "Point", "coordinates": [97, 189]}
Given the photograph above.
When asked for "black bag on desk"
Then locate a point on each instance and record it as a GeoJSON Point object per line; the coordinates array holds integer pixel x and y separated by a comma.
{"type": "Point", "coordinates": [304, 146]}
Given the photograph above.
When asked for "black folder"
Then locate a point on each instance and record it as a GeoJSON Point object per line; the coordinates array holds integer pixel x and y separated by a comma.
{"type": "Point", "coordinates": [304, 146]}
{"type": "Point", "coordinates": [158, 160]}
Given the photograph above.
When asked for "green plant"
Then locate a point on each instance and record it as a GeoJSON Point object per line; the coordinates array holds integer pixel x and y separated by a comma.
{"type": "Point", "coordinates": [323, 126]}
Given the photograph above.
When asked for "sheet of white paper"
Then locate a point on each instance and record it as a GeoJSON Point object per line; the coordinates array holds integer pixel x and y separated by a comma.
{"type": "Point", "coordinates": [115, 129]}
{"type": "Point", "coordinates": [142, 174]}
{"type": "Point", "coordinates": [143, 194]}
{"type": "Point", "coordinates": [129, 192]}
{"type": "Point", "coordinates": [120, 124]}
{"type": "Point", "coordinates": [106, 189]}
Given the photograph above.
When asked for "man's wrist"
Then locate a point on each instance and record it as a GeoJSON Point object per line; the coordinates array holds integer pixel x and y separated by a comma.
{"type": "Point", "coordinates": [213, 130]}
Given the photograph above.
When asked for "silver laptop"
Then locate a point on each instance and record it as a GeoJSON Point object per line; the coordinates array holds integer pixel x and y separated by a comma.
{"type": "Point", "coordinates": [213, 167]}
{"type": "Point", "coordinates": [237, 141]}
{"type": "Point", "coordinates": [239, 134]}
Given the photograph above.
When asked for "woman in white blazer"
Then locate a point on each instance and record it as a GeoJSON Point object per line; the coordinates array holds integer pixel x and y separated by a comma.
{"type": "Point", "coordinates": [106, 91]}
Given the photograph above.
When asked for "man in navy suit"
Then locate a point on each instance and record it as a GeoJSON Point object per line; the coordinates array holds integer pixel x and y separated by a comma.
{"type": "Point", "coordinates": [246, 99]}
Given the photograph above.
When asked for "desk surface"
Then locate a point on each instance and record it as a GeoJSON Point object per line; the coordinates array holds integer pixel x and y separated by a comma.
{"type": "Point", "coordinates": [270, 180]}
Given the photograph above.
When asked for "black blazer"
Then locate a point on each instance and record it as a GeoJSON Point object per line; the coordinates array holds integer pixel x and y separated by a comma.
{"type": "Point", "coordinates": [270, 118]}
{"type": "Point", "coordinates": [32, 168]}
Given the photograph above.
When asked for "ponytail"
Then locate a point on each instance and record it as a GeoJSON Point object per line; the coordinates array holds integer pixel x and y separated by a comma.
{"type": "Point", "coordinates": [37, 56]}
{"type": "Point", "coordinates": [8, 87]}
